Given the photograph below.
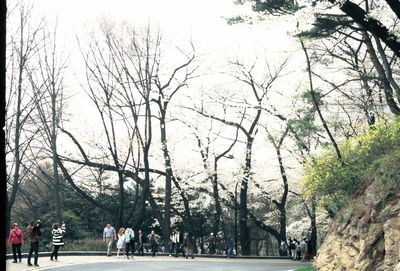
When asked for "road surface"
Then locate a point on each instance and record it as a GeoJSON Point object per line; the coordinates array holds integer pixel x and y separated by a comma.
{"type": "Point", "coordinates": [99, 263]}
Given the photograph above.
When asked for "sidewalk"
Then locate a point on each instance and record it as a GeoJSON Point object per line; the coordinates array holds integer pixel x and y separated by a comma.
{"type": "Point", "coordinates": [44, 260]}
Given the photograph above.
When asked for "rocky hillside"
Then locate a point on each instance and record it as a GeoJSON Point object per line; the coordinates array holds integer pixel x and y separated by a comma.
{"type": "Point", "coordinates": [366, 234]}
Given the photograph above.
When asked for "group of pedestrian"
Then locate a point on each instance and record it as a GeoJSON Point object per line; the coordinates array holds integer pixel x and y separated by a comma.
{"type": "Point", "coordinates": [183, 244]}
{"type": "Point", "coordinates": [33, 231]}
{"type": "Point", "coordinates": [299, 250]}
{"type": "Point", "coordinates": [127, 241]}
{"type": "Point", "coordinates": [217, 246]}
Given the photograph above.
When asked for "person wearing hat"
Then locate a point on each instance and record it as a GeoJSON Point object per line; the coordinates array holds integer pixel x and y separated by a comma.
{"type": "Point", "coordinates": [16, 239]}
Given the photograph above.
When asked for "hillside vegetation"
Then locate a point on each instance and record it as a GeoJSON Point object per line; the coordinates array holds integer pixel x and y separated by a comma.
{"type": "Point", "coordinates": [364, 192]}
{"type": "Point", "coordinates": [332, 181]}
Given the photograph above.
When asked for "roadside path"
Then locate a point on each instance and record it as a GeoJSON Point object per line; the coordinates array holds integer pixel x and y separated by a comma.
{"type": "Point", "coordinates": [97, 263]}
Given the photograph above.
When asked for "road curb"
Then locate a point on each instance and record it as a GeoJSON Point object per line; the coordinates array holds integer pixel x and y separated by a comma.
{"type": "Point", "coordinates": [104, 253]}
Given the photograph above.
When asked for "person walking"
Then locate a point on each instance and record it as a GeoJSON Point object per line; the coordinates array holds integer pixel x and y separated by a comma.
{"type": "Point", "coordinates": [16, 240]}
{"type": "Point", "coordinates": [140, 243]}
{"type": "Point", "coordinates": [130, 241]}
{"type": "Point", "coordinates": [229, 248]}
{"type": "Point", "coordinates": [291, 247]}
{"type": "Point", "coordinates": [121, 241]}
{"type": "Point", "coordinates": [110, 236]}
{"type": "Point", "coordinates": [58, 240]}
{"type": "Point", "coordinates": [303, 249]}
{"type": "Point", "coordinates": [153, 240]}
{"type": "Point", "coordinates": [178, 238]}
{"type": "Point", "coordinates": [283, 250]}
{"type": "Point", "coordinates": [34, 234]}
{"type": "Point", "coordinates": [212, 242]}
{"type": "Point", "coordinates": [297, 252]}
{"type": "Point", "coordinates": [172, 243]}
{"type": "Point", "coordinates": [188, 244]}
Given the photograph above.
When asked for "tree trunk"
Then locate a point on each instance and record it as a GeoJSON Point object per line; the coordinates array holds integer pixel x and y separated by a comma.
{"type": "Point", "coordinates": [313, 239]}
{"type": "Point", "coordinates": [245, 241]}
{"type": "Point", "coordinates": [387, 88]}
{"type": "Point", "coordinates": [316, 104]}
{"type": "Point", "coordinates": [166, 230]}
{"type": "Point", "coordinates": [53, 144]}
{"type": "Point", "coordinates": [18, 128]}
{"type": "Point", "coordinates": [217, 202]}
{"type": "Point", "coordinates": [370, 24]}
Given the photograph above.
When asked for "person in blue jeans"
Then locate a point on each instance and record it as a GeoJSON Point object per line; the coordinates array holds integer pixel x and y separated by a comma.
{"type": "Point", "coordinates": [229, 247]}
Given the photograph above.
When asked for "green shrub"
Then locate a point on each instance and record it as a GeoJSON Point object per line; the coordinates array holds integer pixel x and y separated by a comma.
{"type": "Point", "coordinates": [86, 245]}
{"type": "Point", "coordinates": [332, 181]}
{"type": "Point", "coordinates": [70, 245]}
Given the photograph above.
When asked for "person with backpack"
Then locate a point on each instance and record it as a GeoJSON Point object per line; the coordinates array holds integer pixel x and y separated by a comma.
{"type": "Point", "coordinates": [293, 247]}
{"type": "Point", "coordinates": [16, 239]}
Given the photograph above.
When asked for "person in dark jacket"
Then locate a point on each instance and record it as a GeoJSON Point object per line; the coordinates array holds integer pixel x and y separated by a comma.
{"type": "Point", "coordinates": [140, 240]}
{"type": "Point", "coordinates": [212, 243]}
{"type": "Point", "coordinates": [34, 234]}
{"type": "Point", "coordinates": [188, 245]}
{"type": "Point", "coordinates": [58, 240]}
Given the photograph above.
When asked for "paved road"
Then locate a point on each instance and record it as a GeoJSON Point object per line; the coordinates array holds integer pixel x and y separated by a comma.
{"type": "Point", "coordinates": [99, 263]}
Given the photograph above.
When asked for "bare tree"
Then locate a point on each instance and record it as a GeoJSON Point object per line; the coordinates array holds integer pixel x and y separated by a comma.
{"type": "Point", "coordinates": [210, 159]}
{"type": "Point", "coordinates": [47, 85]}
{"type": "Point", "coordinates": [3, 174]}
{"type": "Point", "coordinates": [19, 100]}
{"type": "Point", "coordinates": [131, 87]}
{"type": "Point", "coordinates": [316, 103]}
{"type": "Point", "coordinates": [166, 89]}
{"type": "Point", "coordinates": [258, 93]}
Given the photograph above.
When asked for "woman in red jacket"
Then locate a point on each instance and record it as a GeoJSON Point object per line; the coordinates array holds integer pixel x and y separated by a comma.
{"type": "Point", "coordinates": [16, 239]}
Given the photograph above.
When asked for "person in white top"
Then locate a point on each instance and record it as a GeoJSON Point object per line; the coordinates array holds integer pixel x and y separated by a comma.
{"type": "Point", "coordinates": [130, 241]}
{"type": "Point", "coordinates": [178, 242]}
{"type": "Point", "coordinates": [121, 241]}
